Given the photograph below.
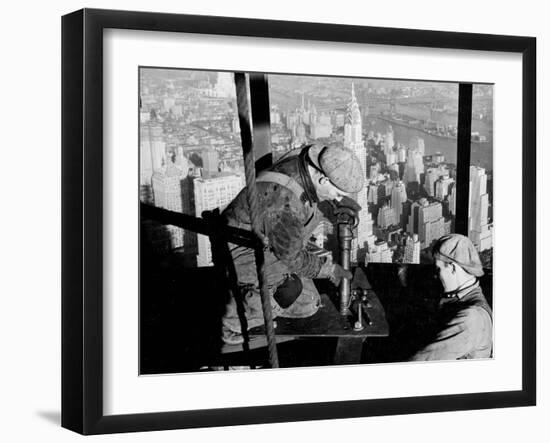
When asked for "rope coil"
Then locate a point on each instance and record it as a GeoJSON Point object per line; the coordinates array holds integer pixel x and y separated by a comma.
{"type": "Point", "coordinates": [255, 219]}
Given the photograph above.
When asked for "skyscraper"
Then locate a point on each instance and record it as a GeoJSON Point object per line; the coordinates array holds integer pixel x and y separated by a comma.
{"type": "Point", "coordinates": [412, 249]}
{"type": "Point", "coordinates": [213, 191]}
{"type": "Point", "coordinates": [388, 185]}
{"type": "Point", "coordinates": [181, 161]}
{"type": "Point", "coordinates": [168, 195]}
{"type": "Point", "coordinates": [401, 154]}
{"type": "Point", "coordinates": [312, 114]}
{"type": "Point", "coordinates": [414, 167]}
{"type": "Point", "coordinates": [145, 156]}
{"type": "Point", "coordinates": [152, 151]}
{"type": "Point", "coordinates": [452, 200]}
{"type": "Point", "coordinates": [299, 134]}
{"type": "Point", "coordinates": [479, 230]}
{"type": "Point", "coordinates": [386, 217]}
{"type": "Point", "coordinates": [432, 174]}
{"type": "Point", "coordinates": [372, 193]}
{"type": "Point", "coordinates": [379, 252]}
{"type": "Point", "coordinates": [158, 148]}
{"type": "Point", "coordinates": [389, 141]}
{"type": "Point", "coordinates": [353, 140]}
{"type": "Point", "coordinates": [320, 126]}
{"type": "Point", "coordinates": [210, 160]}
{"type": "Point", "coordinates": [398, 197]}
{"type": "Point", "coordinates": [417, 144]}
{"type": "Point", "coordinates": [373, 172]}
{"type": "Point", "coordinates": [391, 158]}
{"type": "Point", "coordinates": [426, 220]}
{"type": "Point", "coordinates": [274, 116]}
{"type": "Point", "coordinates": [443, 187]}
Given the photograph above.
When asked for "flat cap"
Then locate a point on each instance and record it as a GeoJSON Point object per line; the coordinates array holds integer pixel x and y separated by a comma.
{"type": "Point", "coordinates": [340, 165]}
{"type": "Point", "coordinates": [456, 248]}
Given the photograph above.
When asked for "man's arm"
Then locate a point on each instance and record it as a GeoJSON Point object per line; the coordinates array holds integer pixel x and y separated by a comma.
{"type": "Point", "coordinates": [459, 337]}
{"type": "Point", "coordinates": [285, 232]}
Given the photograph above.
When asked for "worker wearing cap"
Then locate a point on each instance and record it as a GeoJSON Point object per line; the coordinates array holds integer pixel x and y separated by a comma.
{"type": "Point", "coordinates": [467, 327]}
{"type": "Point", "coordinates": [288, 193]}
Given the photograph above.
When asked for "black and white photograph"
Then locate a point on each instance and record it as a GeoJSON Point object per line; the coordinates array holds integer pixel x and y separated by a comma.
{"type": "Point", "coordinates": [301, 221]}
{"type": "Point", "coordinates": [274, 221]}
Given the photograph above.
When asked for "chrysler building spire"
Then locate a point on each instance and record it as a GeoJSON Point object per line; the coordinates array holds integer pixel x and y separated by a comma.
{"type": "Point", "coordinates": [353, 140]}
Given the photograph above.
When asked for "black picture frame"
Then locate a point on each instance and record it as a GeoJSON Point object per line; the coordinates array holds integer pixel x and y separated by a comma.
{"type": "Point", "coordinates": [82, 218]}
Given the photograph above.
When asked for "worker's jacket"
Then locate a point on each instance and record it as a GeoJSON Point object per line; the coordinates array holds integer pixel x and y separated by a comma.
{"type": "Point", "coordinates": [466, 330]}
{"type": "Point", "coordinates": [288, 219]}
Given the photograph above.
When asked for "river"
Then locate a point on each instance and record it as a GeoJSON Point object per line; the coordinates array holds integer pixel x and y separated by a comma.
{"type": "Point", "coordinates": [481, 155]}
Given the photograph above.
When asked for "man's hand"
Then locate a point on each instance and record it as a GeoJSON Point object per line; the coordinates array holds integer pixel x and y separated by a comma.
{"type": "Point", "coordinates": [338, 273]}
{"type": "Point", "coordinates": [347, 206]}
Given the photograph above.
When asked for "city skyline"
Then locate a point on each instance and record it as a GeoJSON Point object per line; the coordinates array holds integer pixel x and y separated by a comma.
{"type": "Point", "coordinates": [189, 135]}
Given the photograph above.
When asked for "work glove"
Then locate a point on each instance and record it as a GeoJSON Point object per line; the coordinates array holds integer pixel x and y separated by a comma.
{"type": "Point", "coordinates": [338, 273]}
{"type": "Point", "coordinates": [346, 206]}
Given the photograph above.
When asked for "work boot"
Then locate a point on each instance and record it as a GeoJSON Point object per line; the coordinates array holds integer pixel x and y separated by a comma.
{"type": "Point", "coordinates": [231, 337]}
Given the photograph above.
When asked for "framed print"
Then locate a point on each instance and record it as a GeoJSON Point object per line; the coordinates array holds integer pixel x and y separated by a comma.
{"type": "Point", "coordinates": [273, 221]}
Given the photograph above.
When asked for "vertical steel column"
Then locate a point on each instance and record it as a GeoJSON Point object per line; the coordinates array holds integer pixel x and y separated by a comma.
{"type": "Point", "coordinates": [345, 236]}
{"type": "Point", "coordinates": [463, 147]}
{"type": "Point", "coordinates": [261, 124]}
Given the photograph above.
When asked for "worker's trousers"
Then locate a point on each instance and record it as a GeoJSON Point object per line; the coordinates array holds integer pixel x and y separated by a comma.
{"type": "Point", "coordinates": [276, 273]}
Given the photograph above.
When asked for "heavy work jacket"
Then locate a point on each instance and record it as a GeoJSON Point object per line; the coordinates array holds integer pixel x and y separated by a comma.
{"type": "Point", "coordinates": [467, 330]}
{"type": "Point", "coordinates": [287, 220]}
